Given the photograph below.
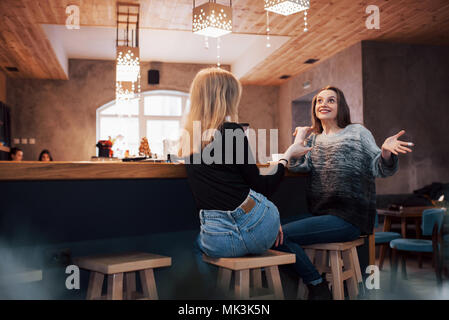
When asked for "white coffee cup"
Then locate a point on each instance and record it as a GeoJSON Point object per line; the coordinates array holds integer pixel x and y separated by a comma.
{"type": "Point", "coordinates": [276, 156]}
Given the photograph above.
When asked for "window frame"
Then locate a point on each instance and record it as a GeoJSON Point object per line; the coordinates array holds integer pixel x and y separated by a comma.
{"type": "Point", "coordinates": [142, 118]}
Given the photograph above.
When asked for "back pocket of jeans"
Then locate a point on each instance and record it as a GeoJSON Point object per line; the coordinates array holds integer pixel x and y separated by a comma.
{"type": "Point", "coordinates": [263, 232]}
{"type": "Point", "coordinates": [257, 217]}
{"type": "Point", "coordinates": [217, 244]}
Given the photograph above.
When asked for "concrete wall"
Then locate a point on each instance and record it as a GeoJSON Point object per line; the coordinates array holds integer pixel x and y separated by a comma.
{"type": "Point", "coordinates": [258, 107]}
{"type": "Point", "coordinates": [2, 87]}
{"type": "Point", "coordinates": [406, 87]}
{"type": "Point", "coordinates": [301, 113]}
{"type": "Point", "coordinates": [343, 70]}
{"type": "Point", "coordinates": [61, 115]}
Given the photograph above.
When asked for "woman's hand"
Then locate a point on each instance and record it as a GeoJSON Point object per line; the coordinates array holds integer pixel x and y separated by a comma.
{"type": "Point", "coordinates": [301, 133]}
{"type": "Point", "coordinates": [296, 150]}
{"type": "Point", "coordinates": [395, 146]}
{"type": "Point", "coordinates": [279, 238]}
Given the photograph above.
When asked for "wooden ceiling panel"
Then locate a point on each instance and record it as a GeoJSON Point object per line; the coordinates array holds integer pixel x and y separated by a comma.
{"type": "Point", "coordinates": [24, 44]}
{"type": "Point", "coordinates": [333, 26]}
{"type": "Point", "coordinates": [341, 25]}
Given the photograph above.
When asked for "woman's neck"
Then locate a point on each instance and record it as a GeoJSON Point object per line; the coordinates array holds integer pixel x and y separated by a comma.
{"type": "Point", "coordinates": [330, 126]}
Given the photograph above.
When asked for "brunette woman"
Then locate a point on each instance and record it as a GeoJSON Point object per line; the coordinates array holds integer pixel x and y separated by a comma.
{"type": "Point", "coordinates": [341, 195]}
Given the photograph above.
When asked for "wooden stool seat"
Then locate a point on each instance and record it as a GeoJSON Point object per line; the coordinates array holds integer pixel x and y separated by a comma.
{"type": "Point", "coordinates": [243, 266]}
{"type": "Point", "coordinates": [335, 245]}
{"type": "Point", "coordinates": [340, 262]}
{"type": "Point", "coordinates": [121, 272]}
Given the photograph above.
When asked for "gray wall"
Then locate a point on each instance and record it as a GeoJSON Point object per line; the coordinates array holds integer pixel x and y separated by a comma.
{"type": "Point", "coordinates": [61, 114]}
{"type": "Point", "coordinates": [301, 115]}
{"type": "Point", "coordinates": [343, 70]}
{"type": "Point", "coordinates": [406, 87]}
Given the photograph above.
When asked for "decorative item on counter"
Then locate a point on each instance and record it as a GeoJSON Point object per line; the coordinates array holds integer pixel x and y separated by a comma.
{"type": "Point", "coordinates": [119, 145]}
{"type": "Point", "coordinates": [104, 148]}
{"type": "Point", "coordinates": [144, 148]}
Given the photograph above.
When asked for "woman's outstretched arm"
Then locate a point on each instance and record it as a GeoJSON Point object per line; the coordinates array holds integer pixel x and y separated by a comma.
{"type": "Point", "coordinates": [384, 161]}
{"type": "Point", "coordinates": [301, 164]}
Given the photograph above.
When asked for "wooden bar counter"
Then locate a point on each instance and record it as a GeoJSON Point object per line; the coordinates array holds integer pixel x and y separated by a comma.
{"type": "Point", "coordinates": [96, 170]}
{"type": "Point", "coordinates": [77, 201]}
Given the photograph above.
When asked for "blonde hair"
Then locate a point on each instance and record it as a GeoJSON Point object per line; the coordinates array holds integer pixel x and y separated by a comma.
{"type": "Point", "coordinates": [214, 96]}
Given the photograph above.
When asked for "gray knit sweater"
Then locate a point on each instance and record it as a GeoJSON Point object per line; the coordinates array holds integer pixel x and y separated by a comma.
{"type": "Point", "coordinates": [342, 169]}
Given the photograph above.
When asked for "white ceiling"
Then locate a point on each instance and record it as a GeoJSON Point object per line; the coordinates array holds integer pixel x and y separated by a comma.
{"type": "Point", "coordinates": [241, 51]}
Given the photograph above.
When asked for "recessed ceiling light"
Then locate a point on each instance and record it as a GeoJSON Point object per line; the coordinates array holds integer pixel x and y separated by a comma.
{"type": "Point", "coordinates": [12, 69]}
{"type": "Point", "coordinates": [311, 61]}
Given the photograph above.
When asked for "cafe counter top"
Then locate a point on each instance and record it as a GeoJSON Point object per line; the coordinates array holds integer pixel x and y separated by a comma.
{"type": "Point", "coordinates": [97, 170]}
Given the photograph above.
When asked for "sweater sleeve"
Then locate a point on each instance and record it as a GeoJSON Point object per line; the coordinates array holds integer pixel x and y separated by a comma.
{"type": "Point", "coordinates": [265, 184]}
{"type": "Point", "coordinates": [303, 164]}
{"type": "Point", "coordinates": [380, 168]}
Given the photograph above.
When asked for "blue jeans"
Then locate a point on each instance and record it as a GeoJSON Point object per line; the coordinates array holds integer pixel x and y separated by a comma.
{"type": "Point", "coordinates": [309, 229]}
{"type": "Point", "coordinates": [235, 234]}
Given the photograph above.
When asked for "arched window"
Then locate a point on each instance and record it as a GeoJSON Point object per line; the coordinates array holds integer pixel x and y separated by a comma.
{"type": "Point", "coordinates": [156, 115]}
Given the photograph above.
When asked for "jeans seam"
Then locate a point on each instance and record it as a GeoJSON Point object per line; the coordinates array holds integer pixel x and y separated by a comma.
{"type": "Point", "coordinates": [231, 239]}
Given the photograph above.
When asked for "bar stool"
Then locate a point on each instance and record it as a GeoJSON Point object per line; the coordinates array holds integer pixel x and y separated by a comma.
{"type": "Point", "coordinates": [340, 262]}
{"type": "Point", "coordinates": [121, 273]}
{"type": "Point", "coordinates": [249, 269]}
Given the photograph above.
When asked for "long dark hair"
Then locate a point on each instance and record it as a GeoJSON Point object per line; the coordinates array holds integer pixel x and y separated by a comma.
{"type": "Point", "coordinates": [343, 113]}
{"type": "Point", "coordinates": [45, 151]}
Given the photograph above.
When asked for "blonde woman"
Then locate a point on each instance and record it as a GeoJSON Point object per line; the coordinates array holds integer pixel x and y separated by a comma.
{"type": "Point", "coordinates": [236, 217]}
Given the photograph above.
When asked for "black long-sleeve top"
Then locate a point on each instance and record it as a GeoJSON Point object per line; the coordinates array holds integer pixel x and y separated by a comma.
{"type": "Point", "coordinates": [225, 185]}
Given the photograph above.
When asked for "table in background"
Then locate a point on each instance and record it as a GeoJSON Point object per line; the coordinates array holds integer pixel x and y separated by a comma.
{"type": "Point", "coordinates": [406, 213]}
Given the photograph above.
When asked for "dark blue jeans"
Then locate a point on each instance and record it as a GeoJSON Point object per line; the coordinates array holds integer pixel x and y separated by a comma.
{"type": "Point", "coordinates": [308, 229]}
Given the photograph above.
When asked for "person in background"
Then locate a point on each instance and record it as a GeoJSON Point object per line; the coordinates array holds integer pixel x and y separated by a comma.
{"type": "Point", "coordinates": [16, 154]}
{"type": "Point", "coordinates": [45, 156]}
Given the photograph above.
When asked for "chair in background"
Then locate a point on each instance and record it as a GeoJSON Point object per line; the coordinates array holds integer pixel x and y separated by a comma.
{"type": "Point", "coordinates": [432, 220]}
{"type": "Point", "coordinates": [382, 239]}
{"type": "Point", "coordinates": [443, 240]}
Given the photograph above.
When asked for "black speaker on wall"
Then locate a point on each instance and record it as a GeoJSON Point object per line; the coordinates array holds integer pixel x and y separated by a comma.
{"type": "Point", "coordinates": [153, 76]}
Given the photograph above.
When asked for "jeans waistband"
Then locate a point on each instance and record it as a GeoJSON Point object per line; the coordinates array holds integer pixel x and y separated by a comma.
{"type": "Point", "coordinates": [231, 214]}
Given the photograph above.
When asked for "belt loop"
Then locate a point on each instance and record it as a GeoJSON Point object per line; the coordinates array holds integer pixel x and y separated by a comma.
{"type": "Point", "coordinates": [230, 216]}
{"type": "Point", "coordinates": [201, 216]}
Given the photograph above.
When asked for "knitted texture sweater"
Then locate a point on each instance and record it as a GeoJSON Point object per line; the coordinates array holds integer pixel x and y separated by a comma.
{"type": "Point", "coordinates": [343, 168]}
